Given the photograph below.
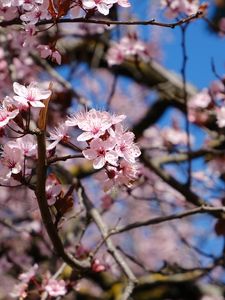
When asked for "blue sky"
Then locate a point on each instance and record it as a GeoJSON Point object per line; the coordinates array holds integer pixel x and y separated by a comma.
{"type": "Point", "coordinates": [202, 47]}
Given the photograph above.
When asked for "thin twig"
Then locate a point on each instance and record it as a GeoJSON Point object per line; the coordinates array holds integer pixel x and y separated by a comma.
{"type": "Point", "coordinates": [152, 22]}
{"type": "Point", "coordinates": [158, 220]}
{"type": "Point", "coordinates": [185, 95]}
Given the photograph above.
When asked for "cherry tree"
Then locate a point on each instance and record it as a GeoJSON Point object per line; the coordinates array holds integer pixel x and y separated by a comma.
{"type": "Point", "coordinates": [112, 166]}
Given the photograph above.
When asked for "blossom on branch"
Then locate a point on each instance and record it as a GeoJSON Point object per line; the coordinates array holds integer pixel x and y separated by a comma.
{"type": "Point", "coordinates": [131, 47]}
{"type": "Point", "coordinates": [176, 7]}
{"type": "Point", "coordinates": [55, 288]}
{"type": "Point", "coordinates": [31, 95]}
{"type": "Point", "coordinates": [103, 6]}
{"type": "Point", "coordinates": [7, 113]}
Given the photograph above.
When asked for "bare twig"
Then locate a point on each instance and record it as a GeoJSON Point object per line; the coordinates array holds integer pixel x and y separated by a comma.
{"type": "Point", "coordinates": [185, 95]}
{"type": "Point", "coordinates": [158, 220]}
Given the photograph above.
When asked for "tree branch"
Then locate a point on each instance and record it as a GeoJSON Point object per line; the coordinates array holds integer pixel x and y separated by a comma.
{"type": "Point", "coordinates": [44, 210]}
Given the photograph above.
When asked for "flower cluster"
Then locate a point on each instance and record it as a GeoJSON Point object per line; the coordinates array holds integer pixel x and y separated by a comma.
{"type": "Point", "coordinates": [208, 103]}
{"type": "Point", "coordinates": [50, 285]}
{"type": "Point", "coordinates": [32, 95]}
{"type": "Point", "coordinates": [14, 156]}
{"type": "Point", "coordinates": [130, 46]}
{"type": "Point", "coordinates": [109, 145]}
{"type": "Point", "coordinates": [176, 7]}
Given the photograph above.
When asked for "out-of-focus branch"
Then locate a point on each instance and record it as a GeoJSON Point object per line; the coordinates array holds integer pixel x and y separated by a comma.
{"type": "Point", "coordinates": [60, 79]}
{"type": "Point", "coordinates": [158, 220]}
{"type": "Point", "coordinates": [93, 212]}
{"type": "Point", "coordinates": [182, 188]}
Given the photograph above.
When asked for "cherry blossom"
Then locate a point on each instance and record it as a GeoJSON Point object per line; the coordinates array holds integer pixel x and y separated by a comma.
{"type": "Point", "coordinates": [27, 276]}
{"type": "Point", "coordinates": [7, 113]}
{"type": "Point", "coordinates": [93, 122]}
{"type": "Point", "coordinates": [124, 174]}
{"type": "Point", "coordinates": [124, 3]}
{"type": "Point", "coordinates": [55, 288]}
{"type": "Point", "coordinates": [46, 51]}
{"type": "Point", "coordinates": [220, 115]}
{"type": "Point", "coordinates": [175, 7]}
{"type": "Point", "coordinates": [130, 46]}
{"type": "Point", "coordinates": [53, 189]}
{"type": "Point", "coordinates": [101, 152]}
{"type": "Point", "coordinates": [19, 291]}
{"type": "Point", "coordinates": [102, 6]}
{"type": "Point", "coordinates": [11, 162]}
{"type": "Point", "coordinates": [200, 100]}
{"type": "Point", "coordinates": [31, 95]}
{"type": "Point", "coordinates": [38, 12]}
{"type": "Point", "coordinates": [57, 135]}
{"type": "Point", "coordinates": [26, 144]}
{"type": "Point", "coordinates": [125, 146]}
{"type": "Point", "coordinates": [97, 266]}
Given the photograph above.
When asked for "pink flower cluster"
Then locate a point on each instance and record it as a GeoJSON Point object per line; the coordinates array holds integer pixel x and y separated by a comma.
{"type": "Point", "coordinates": [109, 146]}
{"type": "Point", "coordinates": [30, 96]}
{"type": "Point", "coordinates": [30, 11]}
{"type": "Point", "coordinates": [54, 287]}
{"type": "Point", "coordinates": [130, 46]}
{"type": "Point", "coordinates": [33, 11]}
{"type": "Point", "coordinates": [207, 103]}
{"type": "Point", "coordinates": [176, 7]}
{"type": "Point", "coordinates": [12, 161]}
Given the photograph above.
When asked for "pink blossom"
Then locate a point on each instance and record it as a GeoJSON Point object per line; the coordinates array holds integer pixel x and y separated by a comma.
{"type": "Point", "coordinates": [97, 266]}
{"type": "Point", "coordinates": [8, 13]}
{"type": "Point", "coordinates": [27, 144]}
{"type": "Point", "coordinates": [57, 135]}
{"type": "Point", "coordinates": [125, 146]}
{"type": "Point", "coordinates": [124, 3]}
{"type": "Point", "coordinates": [46, 51]}
{"type": "Point", "coordinates": [220, 115]}
{"type": "Point", "coordinates": [176, 7]}
{"type": "Point", "coordinates": [53, 189]}
{"type": "Point", "coordinates": [124, 174]}
{"type": "Point", "coordinates": [200, 100]}
{"type": "Point", "coordinates": [102, 6]}
{"type": "Point", "coordinates": [55, 288]}
{"type": "Point", "coordinates": [129, 46]}
{"type": "Point", "coordinates": [7, 113]}
{"type": "Point", "coordinates": [94, 123]}
{"type": "Point", "coordinates": [9, 3]}
{"type": "Point", "coordinates": [19, 291]}
{"type": "Point", "coordinates": [222, 27]}
{"type": "Point", "coordinates": [11, 162]}
{"type": "Point", "coordinates": [31, 95]}
{"type": "Point", "coordinates": [101, 152]}
{"type": "Point", "coordinates": [38, 12]}
{"type": "Point", "coordinates": [27, 276]}
{"type": "Point", "coordinates": [128, 173]}
{"type": "Point", "coordinates": [108, 178]}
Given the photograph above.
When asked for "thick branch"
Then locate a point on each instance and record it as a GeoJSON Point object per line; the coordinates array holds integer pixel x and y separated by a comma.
{"type": "Point", "coordinates": [43, 206]}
